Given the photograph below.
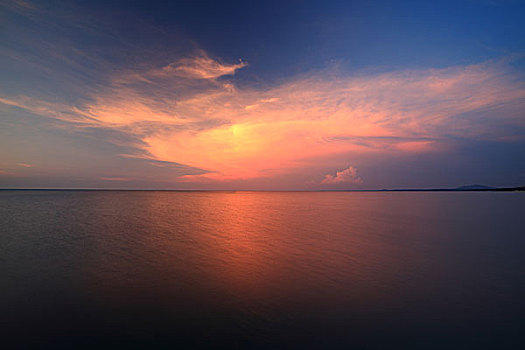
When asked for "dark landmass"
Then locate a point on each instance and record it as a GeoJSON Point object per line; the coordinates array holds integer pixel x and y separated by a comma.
{"type": "Point", "coordinates": [468, 188]}
{"type": "Point", "coordinates": [473, 187]}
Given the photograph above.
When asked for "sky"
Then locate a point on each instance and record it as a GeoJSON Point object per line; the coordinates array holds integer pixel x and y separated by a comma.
{"type": "Point", "coordinates": [268, 95]}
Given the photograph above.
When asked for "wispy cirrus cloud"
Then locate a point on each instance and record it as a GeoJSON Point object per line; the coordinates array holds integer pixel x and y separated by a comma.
{"type": "Point", "coordinates": [200, 67]}
{"type": "Point", "coordinates": [18, 5]}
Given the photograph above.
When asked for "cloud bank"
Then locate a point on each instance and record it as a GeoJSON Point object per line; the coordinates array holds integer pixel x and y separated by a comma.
{"type": "Point", "coordinates": [191, 112]}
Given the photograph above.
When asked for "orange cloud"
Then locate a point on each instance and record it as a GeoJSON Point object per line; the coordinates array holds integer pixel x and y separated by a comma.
{"type": "Point", "coordinates": [202, 67]}
{"type": "Point", "coordinates": [184, 114]}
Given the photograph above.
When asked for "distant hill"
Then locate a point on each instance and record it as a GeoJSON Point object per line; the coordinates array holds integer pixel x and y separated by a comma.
{"type": "Point", "coordinates": [473, 187]}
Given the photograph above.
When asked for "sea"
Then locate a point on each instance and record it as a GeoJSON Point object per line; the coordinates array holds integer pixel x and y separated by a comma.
{"type": "Point", "coordinates": [262, 270]}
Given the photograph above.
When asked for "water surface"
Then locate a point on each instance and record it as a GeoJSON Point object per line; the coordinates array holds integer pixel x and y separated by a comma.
{"type": "Point", "coordinates": [262, 269]}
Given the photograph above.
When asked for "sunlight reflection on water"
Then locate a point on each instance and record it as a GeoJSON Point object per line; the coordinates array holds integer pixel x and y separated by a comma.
{"type": "Point", "coordinates": [262, 269]}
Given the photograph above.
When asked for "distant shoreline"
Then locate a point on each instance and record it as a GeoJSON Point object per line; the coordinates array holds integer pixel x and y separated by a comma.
{"type": "Point", "coordinates": [497, 189]}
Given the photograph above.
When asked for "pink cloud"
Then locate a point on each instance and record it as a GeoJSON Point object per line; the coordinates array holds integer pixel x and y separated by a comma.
{"type": "Point", "coordinates": [202, 67]}
{"type": "Point", "coordinates": [198, 66]}
{"type": "Point", "coordinates": [185, 115]}
{"type": "Point", "coordinates": [348, 175]}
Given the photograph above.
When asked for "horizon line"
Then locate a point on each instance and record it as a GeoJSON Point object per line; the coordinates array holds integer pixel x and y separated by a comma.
{"type": "Point", "coordinates": [457, 189]}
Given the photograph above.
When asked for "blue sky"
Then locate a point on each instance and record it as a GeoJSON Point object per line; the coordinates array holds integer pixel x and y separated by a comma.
{"type": "Point", "coordinates": [262, 95]}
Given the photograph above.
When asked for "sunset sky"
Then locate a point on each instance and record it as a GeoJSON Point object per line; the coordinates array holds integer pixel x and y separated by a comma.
{"type": "Point", "coordinates": [269, 95]}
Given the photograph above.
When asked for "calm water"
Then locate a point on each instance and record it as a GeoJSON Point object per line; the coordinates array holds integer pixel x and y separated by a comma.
{"type": "Point", "coordinates": [262, 270]}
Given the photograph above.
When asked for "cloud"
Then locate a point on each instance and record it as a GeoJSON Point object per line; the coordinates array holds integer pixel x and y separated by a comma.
{"type": "Point", "coordinates": [116, 178]}
{"type": "Point", "coordinates": [19, 6]}
{"type": "Point", "coordinates": [183, 114]}
{"type": "Point", "coordinates": [197, 67]}
{"type": "Point", "coordinates": [348, 175]}
{"type": "Point", "coordinates": [201, 67]}
{"type": "Point", "coordinates": [24, 165]}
